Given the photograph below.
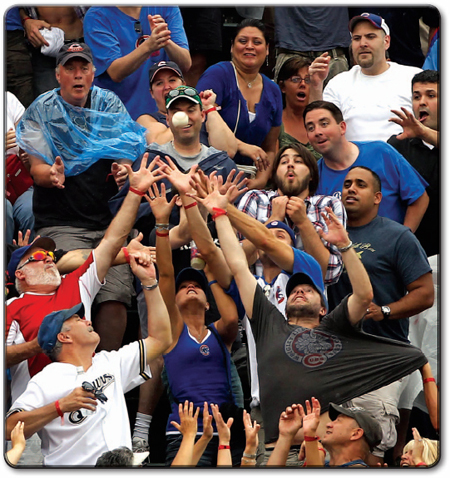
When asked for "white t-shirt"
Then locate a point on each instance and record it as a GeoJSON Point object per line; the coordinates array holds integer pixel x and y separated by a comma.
{"type": "Point", "coordinates": [366, 101]}
{"type": "Point", "coordinates": [84, 437]}
{"type": "Point", "coordinates": [14, 111]}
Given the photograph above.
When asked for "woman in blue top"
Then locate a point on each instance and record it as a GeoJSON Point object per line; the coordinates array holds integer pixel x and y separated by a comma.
{"type": "Point", "coordinates": [250, 102]}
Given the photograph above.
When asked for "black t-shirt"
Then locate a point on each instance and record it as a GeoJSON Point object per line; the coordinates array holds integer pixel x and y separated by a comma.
{"type": "Point", "coordinates": [333, 362]}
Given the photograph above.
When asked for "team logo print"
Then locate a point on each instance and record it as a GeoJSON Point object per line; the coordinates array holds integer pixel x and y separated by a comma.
{"type": "Point", "coordinates": [311, 348]}
{"type": "Point", "coordinates": [204, 350]}
{"type": "Point", "coordinates": [279, 294]}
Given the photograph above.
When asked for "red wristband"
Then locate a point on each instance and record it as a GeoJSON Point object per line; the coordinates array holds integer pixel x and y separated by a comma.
{"type": "Point", "coordinates": [321, 449]}
{"type": "Point", "coordinates": [213, 108]}
{"type": "Point", "coordinates": [193, 204]}
{"type": "Point", "coordinates": [162, 234]}
{"type": "Point", "coordinates": [224, 447]}
{"type": "Point", "coordinates": [25, 19]}
{"type": "Point", "coordinates": [126, 254]}
{"type": "Point", "coordinates": [218, 212]}
{"type": "Point", "coordinates": [421, 463]}
{"type": "Point", "coordinates": [136, 191]}
{"type": "Point", "coordinates": [60, 413]}
{"type": "Point", "coordinates": [430, 379]}
{"type": "Point", "coordinates": [311, 438]}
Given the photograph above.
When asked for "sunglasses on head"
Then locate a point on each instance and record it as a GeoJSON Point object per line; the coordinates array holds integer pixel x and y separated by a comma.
{"type": "Point", "coordinates": [38, 256]}
{"type": "Point", "coordinates": [182, 91]}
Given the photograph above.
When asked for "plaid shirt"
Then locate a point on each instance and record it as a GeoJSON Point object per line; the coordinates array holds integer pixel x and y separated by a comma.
{"type": "Point", "coordinates": [258, 204]}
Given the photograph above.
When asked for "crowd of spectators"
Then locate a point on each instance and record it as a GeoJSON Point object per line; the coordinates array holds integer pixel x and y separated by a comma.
{"type": "Point", "coordinates": [222, 236]}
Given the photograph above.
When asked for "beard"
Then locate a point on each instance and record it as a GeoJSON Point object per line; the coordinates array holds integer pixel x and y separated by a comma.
{"type": "Point", "coordinates": [292, 188]}
{"type": "Point", "coordinates": [302, 311]}
{"type": "Point", "coordinates": [48, 276]}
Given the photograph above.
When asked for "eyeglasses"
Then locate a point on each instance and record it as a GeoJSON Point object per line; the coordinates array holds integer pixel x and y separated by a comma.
{"type": "Point", "coordinates": [299, 79]}
{"type": "Point", "coordinates": [182, 91]}
{"type": "Point", "coordinates": [38, 256]}
{"type": "Point", "coordinates": [137, 26]}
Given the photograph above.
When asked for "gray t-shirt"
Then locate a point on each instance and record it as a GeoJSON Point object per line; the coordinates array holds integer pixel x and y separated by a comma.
{"type": "Point", "coordinates": [333, 362]}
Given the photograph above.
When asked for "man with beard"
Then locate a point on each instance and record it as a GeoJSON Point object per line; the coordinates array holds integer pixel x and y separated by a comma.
{"type": "Point", "coordinates": [315, 352]}
{"type": "Point", "coordinates": [42, 290]}
{"type": "Point", "coordinates": [296, 177]}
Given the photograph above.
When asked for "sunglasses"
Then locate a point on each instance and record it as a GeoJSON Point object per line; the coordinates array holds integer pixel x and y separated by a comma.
{"type": "Point", "coordinates": [38, 256]}
{"type": "Point", "coordinates": [299, 79]}
{"type": "Point", "coordinates": [137, 26]}
{"type": "Point", "coordinates": [182, 91]}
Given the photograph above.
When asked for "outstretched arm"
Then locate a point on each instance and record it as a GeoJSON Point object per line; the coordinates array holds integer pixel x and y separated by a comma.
{"type": "Point", "coordinates": [362, 294]}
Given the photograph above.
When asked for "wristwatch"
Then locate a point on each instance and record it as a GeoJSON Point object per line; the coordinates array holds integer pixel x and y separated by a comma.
{"type": "Point", "coordinates": [386, 311]}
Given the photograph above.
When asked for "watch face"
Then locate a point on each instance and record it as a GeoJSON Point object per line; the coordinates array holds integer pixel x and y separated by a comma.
{"type": "Point", "coordinates": [386, 310]}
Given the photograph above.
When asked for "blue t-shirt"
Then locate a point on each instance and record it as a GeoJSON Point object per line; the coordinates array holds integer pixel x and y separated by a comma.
{"type": "Point", "coordinates": [401, 184]}
{"type": "Point", "coordinates": [112, 34]}
{"type": "Point", "coordinates": [12, 19]}
{"type": "Point", "coordinates": [222, 80]}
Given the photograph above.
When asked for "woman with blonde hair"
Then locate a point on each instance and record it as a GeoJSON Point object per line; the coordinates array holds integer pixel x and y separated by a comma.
{"type": "Point", "coordinates": [420, 452]}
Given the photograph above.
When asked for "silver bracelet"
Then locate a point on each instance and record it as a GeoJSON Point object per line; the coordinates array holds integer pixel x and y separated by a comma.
{"type": "Point", "coordinates": [246, 455]}
{"type": "Point", "coordinates": [346, 248]}
{"type": "Point", "coordinates": [164, 227]}
{"type": "Point", "coordinates": [150, 287]}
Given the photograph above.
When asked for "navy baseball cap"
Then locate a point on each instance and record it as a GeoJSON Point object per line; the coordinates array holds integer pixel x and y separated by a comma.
{"type": "Point", "coordinates": [163, 65]}
{"type": "Point", "coordinates": [45, 243]}
{"type": "Point", "coordinates": [191, 274]}
{"type": "Point", "coordinates": [282, 225]}
{"type": "Point", "coordinates": [52, 324]}
{"type": "Point", "coordinates": [307, 271]}
{"type": "Point", "coordinates": [74, 50]}
{"type": "Point", "coordinates": [372, 429]}
{"type": "Point", "coordinates": [375, 20]}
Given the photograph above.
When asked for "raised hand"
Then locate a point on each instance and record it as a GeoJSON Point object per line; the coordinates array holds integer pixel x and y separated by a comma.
{"type": "Point", "coordinates": [208, 98]}
{"type": "Point", "coordinates": [143, 268]}
{"type": "Point", "coordinates": [161, 209]}
{"type": "Point", "coordinates": [208, 429]}
{"type": "Point", "coordinates": [142, 179]}
{"type": "Point", "coordinates": [180, 180]}
{"type": "Point", "coordinates": [251, 432]}
{"type": "Point", "coordinates": [233, 179]}
{"type": "Point", "coordinates": [222, 428]}
{"type": "Point", "coordinates": [214, 199]}
{"type": "Point", "coordinates": [188, 419]}
{"type": "Point", "coordinates": [319, 69]}
{"type": "Point", "coordinates": [57, 175]}
{"type": "Point", "coordinates": [336, 234]}
{"type": "Point", "coordinates": [412, 127]}
{"type": "Point", "coordinates": [290, 421]}
{"type": "Point", "coordinates": [160, 33]}
{"type": "Point", "coordinates": [257, 154]}
{"type": "Point", "coordinates": [311, 419]}
{"type": "Point", "coordinates": [119, 173]}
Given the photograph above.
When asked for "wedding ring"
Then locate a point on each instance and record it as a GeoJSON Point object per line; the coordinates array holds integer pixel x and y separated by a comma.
{"type": "Point", "coordinates": [152, 197]}
{"type": "Point", "coordinates": [368, 310]}
{"type": "Point", "coordinates": [258, 159]}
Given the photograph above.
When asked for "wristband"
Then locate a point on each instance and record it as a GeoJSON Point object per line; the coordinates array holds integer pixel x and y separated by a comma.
{"type": "Point", "coordinates": [136, 191]}
{"type": "Point", "coordinates": [218, 212]}
{"type": "Point", "coordinates": [322, 449]}
{"type": "Point", "coordinates": [193, 204]}
{"type": "Point", "coordinates": [246, 455]}
{"type": "Point", "coordinates": [60, 413]}
{"type": "Point", "coordinates": [306, 438]}
{"type": "Point", "coordinates": [430, 379]}
{"type": "Point", "coordinates": [213, 108]}
{"type": "Point", "coordinates": [210, 283]}
{"type": "Point", "coordinates": [126, 254]}
{"type": "Point", "coordinates": [162, 234]}
{"type": "Point", "coordinates": [164, 227]}
{"type": "Point", "coordinates": [345, 248]}
{"type": "Point", "coordinates": [421, 463]}
{"type": "Point", "coordinates": [150, 287]}
{"type": "Point", "coordinates": [224, 447]}
{"type": "Point", "coordinates": [24, 20]}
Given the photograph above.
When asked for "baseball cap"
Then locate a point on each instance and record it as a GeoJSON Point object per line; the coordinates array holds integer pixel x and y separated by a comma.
{"type": "Point", "coordinates": [163, 65]}
{"type": "Point", "coordinates": [372, 429]}
{"type": "Point", "coordinates": [183, 92]}
{"type": "Point", "coordinates": [309, 272]}
{"type": "Point", "coordinates": [191, 274]}
{"type": "Point", "coordinates": [375, 20]}
{"type": "Point", "coordinates": [52, 324]}
{"type": "Point", "coordinates": [282, 225]}
{"type": "Point", "coordinates": [73, 50]}
{"type": "Point", "coordinates": [45, 243]}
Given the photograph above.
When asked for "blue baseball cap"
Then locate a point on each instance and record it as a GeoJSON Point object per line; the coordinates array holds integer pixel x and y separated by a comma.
{"type": "Point", "coordinates": [45, 243]}
{"type": "Point", "coordinates": [282, 225]}
{"type": "Point", "coordinates": [52, 324]}
{"type": "Point", "coordinates": [191, 274]}
{"type": "Point", "coordinates": [375, 20]}
{"type": "Point", "coordinates": [307, 271]}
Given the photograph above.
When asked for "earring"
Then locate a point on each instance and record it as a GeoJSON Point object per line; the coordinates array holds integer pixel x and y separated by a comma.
{"type": "Point", "coordinates": [267, 60]}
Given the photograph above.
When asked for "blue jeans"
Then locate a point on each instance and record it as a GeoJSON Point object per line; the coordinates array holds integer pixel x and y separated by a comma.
{"type": "Point", "coordinates": [20, 217]}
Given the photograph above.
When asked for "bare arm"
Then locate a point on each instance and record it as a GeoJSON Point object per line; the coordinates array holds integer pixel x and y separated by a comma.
{"type": "Point", "coordinates": [431, 394]}
{"type": "Point", "coordinates": [156, 132]}
{"type": "Point", "coordinates": [415, 212]}
{"type": "Point", "coordinates": [46, 175]}
{"type": "Point", "coordinates": [19, 352]}
{"type": "Point", "coordinates": [121, 225]}
{"type": "Point", "coordinates": [413, 128]}
{"type": "Point", "coordinates": [362, 295]}
{"type": "Point", "coordinates": [188, 428]}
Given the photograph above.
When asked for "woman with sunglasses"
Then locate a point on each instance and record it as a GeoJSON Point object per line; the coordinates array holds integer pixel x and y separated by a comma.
{"type": "Point", "coordinates": [294, 82]}
{"type": "Point", "coordinates": [250, 102]}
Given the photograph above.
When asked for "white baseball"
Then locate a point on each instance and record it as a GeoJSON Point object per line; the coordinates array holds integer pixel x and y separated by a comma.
{"type": "Point", "coordinates": [180, 119]}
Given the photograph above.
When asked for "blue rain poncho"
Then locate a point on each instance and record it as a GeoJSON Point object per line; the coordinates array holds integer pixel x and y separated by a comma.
{"type": "Point", "coordinates": [52, 127]}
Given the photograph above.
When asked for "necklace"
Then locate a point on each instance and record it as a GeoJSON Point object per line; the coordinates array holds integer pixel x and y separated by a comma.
{"type": "Point", "coordinates": [249, 83]}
